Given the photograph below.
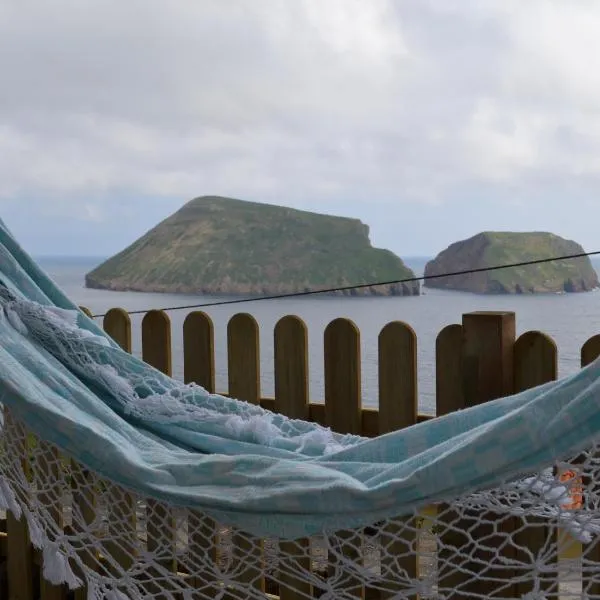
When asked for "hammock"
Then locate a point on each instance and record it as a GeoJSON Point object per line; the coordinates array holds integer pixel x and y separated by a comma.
{"type": "Point", "coordinates": [264, 476]}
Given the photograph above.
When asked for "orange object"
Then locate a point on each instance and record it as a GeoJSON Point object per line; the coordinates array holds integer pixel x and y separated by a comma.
{"type": "Point", "coordinates": [575, 487]}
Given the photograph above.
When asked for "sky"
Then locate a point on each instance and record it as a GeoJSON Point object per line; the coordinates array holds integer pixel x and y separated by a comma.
{"type": "Point", "coordinates": [429, 120]}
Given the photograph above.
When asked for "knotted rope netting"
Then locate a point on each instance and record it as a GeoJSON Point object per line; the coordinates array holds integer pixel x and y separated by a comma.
{"type": "Point", "coordinates": [531, 538]}
{"type": "Point", "coordinates": [134, 485]}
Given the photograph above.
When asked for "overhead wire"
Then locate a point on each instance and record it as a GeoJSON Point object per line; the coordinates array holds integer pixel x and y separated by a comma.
{"type": "Point", "coordinates": [345, 288]}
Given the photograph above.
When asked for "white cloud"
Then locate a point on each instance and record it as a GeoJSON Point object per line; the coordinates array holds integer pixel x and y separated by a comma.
{"type": "Point", "coordinates": [503, 143]}
{"type": "Point", "coordinates": [543, 114]}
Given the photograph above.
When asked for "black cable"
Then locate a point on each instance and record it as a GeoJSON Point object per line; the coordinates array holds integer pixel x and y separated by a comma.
{"type": "Point", "coordinates": [366, 285]}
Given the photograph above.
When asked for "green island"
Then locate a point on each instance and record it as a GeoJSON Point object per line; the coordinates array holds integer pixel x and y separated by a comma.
{"type": "Point", "coordinates": [489, 249]}
{"type": "Point", "coordinates": [224, 246]}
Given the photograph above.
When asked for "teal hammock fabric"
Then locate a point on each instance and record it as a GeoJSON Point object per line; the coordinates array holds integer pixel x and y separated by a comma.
{"type": "Point", "coordinates": [244, 466]}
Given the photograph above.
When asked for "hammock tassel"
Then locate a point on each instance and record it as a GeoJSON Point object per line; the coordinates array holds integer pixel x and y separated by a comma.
{"type": "Point", "coordinates": [8, 500]}
{"type": "Point", "coordinates": [56, 567]}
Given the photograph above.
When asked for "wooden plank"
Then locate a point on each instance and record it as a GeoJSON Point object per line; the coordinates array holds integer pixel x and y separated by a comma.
{"type": "Point", "coordinates": [291, 367]}
{"type": "Point", "coordinates": [398, 404]}
{"type": "Point", "coordinates": [20, 565]}
{"type": "Point", "coordinates": [291, 399]}
{"type": "Point", "coordinates": [536, 362]}
{"type": "Point", "coordinates": [83, 487]}
{"type": "Point", "coordinates": [122, 541]}
{"type": "Point", "coordinates": [488, 371]}
{"type": "Point", "coordinates": [343, 415]}
{"type": "Point", "coordinates": [202, 555]}
{"type": "Point", "coordinates": [316, 414]}
{"type": "Point", "coordinates": [591, 552]}
{"type": "Point", "coordinates": [50, 480]}
{"type": "Point", "coordinates": [203, 539]}
{"type": "Point", "coordinates": [476, 552]}
{"type": "Point", "coordinates": [161, 542]}
{"type": "Point", "coordinates": [243, 361]}
{"type": "Point", "coordinates": [161, 525]}
{"type": "Point", "coordinates": [156, 340]}
{"type": "Point", "coordinates": [117, 324]}
{"type": "Point", "coordinates": [449, 398]}
{"type": "Point", "coordinates": [488, 356]}
{"type": "Point", "coordinates": [449, 390]}
{"type": "Point", "coordinates": [3, 566]}
{"type": "Point", "coordinates": [398, 400]}
{"type": "Point", "coordinates": [342, 377]}
{"type": "Point", "coordinates": [590, 351]}
{"type": "Point", "coordinates": [199, 350]}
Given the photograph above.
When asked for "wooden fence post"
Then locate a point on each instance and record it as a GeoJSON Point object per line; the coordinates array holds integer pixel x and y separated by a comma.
{"type": "Point", "coordinates": [199, 350]}
{"type": "Point", "coordinates": [590, 351]}
{"type": "Point", "coordinates": [49, 477]}
{"type": "Point", "coordinates": [343, 377]}
{"type": "Point", "coordinates": [161, 524]}
{"type": "Point", "coordinates": [536, 362]}
{"type": "Point", "coordinates": [243, 358]}
{"type": "Point", "coordinates": [291, 399]}
{"type": "Point", "coordinates": [590, 584]}
{"type": "Point", "coordinates": [118, 325]}
{"type": "Point", "coordinates": [19, 561]}
{"type": "Point", "coordinates": [449, 392]}
{"type": "Point", "coordinates": [478, 540]}
{"type": "Point", "coordinates": [488, 374]}
{"type": "Point", "coordinates": [489, 339]}
{"type": "Point", "coordinates": [291, 368]}
{"type": "Point", "coordinates": [449, 397]}
{"type": "Point", "coordinates": [199, 368]}
{"type": "Point", "coordinates": [343, 413]}
{"type": "Point", "coordinates": [398, 406]}
{"type": "Point", "coordinates": [243, 365]}
{"type": "Point", "coordinates": [156, 340]}
{"type": "Point", "coordinates": [84, 490]}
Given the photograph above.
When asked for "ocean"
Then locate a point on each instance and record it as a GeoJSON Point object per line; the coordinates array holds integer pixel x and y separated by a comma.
{"type": "Point", "coordinates": [570, 319]}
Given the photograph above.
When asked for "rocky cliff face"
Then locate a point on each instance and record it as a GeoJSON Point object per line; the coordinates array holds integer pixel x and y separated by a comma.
{"type": "Point", "coordinates": [224, 246]}
{"type": "Point", "coordinates": [491, 249]}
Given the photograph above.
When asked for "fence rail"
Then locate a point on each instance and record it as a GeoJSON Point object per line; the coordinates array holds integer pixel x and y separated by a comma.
{"type": "Point", "coordinates": [479, 360]}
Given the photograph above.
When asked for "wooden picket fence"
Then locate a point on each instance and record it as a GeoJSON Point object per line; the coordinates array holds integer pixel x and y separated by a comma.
{"type": "Point", "coordinates": [476, 361]}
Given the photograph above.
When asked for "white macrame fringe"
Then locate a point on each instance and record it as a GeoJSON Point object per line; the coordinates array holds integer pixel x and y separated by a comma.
{"type": "Point", "coordinates": [8, 500]}
{"type": "Point", "coordinates": [36, 534]}
{"type": "Point", "coordinates": [56, 567]}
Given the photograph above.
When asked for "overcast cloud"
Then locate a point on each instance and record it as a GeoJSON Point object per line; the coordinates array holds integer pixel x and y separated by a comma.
{"type": "Point", "coordinates": [428, 119]}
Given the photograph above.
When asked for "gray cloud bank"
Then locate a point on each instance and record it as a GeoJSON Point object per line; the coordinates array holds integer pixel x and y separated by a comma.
{"type": "Point", "coordinates": [404, 113]}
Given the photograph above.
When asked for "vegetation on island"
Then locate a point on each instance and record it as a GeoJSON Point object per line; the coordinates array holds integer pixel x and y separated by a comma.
{"type": "Point", "coordinates": [223, 246]}
{"type": "Point", "coordinates": [489, 249]}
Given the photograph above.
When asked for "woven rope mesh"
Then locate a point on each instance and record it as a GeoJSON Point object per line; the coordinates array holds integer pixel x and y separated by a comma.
{"type": "Point", "coordinates": [533, 538]}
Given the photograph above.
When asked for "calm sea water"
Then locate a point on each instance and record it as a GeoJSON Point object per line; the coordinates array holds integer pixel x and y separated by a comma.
{"type": "Point", "coordinates": [569, 319]}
